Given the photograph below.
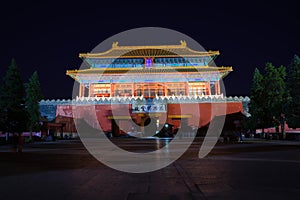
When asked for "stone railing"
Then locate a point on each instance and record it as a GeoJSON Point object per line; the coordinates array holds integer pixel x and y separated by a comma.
{"type": "Point", "coordinates": [160, 99]}
{"type": "Point", "coordinates": [48, 107]}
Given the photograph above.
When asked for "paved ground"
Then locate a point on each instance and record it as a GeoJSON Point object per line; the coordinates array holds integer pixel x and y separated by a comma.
{"type": "Point", "coordinates": [64, 170]}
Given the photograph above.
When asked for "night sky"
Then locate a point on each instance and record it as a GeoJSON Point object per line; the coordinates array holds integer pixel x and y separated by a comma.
{"type": "Point", "coordinates": [47, 36]}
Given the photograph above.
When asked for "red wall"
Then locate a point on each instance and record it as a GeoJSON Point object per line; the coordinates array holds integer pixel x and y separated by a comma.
{"type": "Point", "coordinates": [199, 114]}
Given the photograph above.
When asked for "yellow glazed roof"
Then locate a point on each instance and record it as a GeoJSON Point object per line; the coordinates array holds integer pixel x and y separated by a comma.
{"type": "Point", "coordinates": [149, 51]}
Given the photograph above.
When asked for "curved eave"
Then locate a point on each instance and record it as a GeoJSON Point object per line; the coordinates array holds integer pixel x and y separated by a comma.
{"type": "Point", "coordinates": [149, 51]}
{"type": "Point", "coordinates": [91, 55]}
{"type": "Point", "coordinates": [74, 73]}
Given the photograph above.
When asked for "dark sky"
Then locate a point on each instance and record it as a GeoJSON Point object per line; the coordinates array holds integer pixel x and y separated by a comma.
{"type": "Point", "coordinates": [47, 36]}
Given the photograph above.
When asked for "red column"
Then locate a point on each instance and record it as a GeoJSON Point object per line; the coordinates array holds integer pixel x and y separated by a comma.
{"type": "Point", "coordinates": [217, 88]}
{"type": "Point", "coordinates": [133, 89]}
{"type": "Point", "coordinates": [165, 89]}
{"type": "Point", "coordinates": [186, 88]}
{"type": "Point", "coordinates": [208, 88]}
{"type": "Point", "coordinates": [81, 90]}
{"type": "Point", "coordinates": [91, 90]}
{"type": "Point", "coordinates": [111, 90]}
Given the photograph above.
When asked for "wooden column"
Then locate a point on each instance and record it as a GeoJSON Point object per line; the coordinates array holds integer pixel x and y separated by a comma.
{"type": "Point", "coordinates": [111, 90]}
{"type": "Point", "coordinates": [81, 90]}
{"type": "Point", "coordinates": [79, 93]}
{"type": "Point", "coordinates": [91, 90]}
{"type": "Point", "coordinates": [186, 88]}
{"type": "Point", "coordinates": [217, 88]}
{"type": "Point", "coordinates": [208, 88]}
{"type": "Point", "coordinates": [165, 89]}
{"type": "Point", "coordinates": [133, 89]}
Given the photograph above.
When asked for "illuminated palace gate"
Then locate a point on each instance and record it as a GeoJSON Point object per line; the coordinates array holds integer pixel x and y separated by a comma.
{"type": "Point", "coordinates": [150, 72]}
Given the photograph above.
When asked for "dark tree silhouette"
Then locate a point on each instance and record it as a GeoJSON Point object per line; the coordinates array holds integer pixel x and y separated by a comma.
{"type": "Point", "coordinates": [12, 101]}
{"type": "Point", "coordinates": [268, 95]}
{"type": "Point", "coordinates": [32, 99]}
{"type": "Point", "coordinates": [293, 87]}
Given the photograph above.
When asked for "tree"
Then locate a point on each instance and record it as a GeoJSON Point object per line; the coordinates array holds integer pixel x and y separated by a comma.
{"type": "Point", "coordinates": [293, 87]}
{"type": "Point", "coordinates": [275, 94]}
{"type": "Point", "coordinates": [33, 96]}
{"type": "Point", "coordinates": [268, 95]}
{"type": "Point", "coordinates": [3, 113]}
{"type": "Point", "coordinates": [256, 103]}
{"type": "Point", "coordinates": [12, 101]}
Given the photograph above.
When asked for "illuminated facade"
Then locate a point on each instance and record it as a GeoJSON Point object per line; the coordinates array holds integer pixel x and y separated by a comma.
{"type": "Point", "coordinates": [149, 71]}
{"type": "Point", "coordinates": [126, 86]}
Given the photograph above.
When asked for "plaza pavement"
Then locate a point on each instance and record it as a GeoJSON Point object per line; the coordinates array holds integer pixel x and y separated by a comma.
{"type": "Point", "coordinates": [254, 169]}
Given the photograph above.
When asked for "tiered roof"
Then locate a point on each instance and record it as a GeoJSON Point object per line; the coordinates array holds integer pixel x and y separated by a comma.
{"type": "Point", "coordinates": [157, 72]}
{"type": "Point", "coordinates": [149, 51]}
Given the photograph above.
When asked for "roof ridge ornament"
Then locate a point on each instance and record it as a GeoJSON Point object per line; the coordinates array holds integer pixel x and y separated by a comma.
{"type": "Point", "coordinates": [115, 44]}
{"type": "Point", "coordinates": [183, 43]}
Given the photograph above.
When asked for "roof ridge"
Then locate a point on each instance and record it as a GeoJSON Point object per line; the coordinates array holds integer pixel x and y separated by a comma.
{"type": "Point", "coordinates": [125, 49]}
{"type": "Point", "coordinates": [182, 44]}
